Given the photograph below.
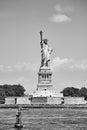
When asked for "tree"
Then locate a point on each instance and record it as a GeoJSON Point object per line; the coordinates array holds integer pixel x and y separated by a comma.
{"type": "Point", "coordinates": [75, 92]}
{"type": "Point", "coordinates": [83, 92]}
{"type": "Point", "coordinates": [8, 90]}
{"type": "Point", "coordinates": [18, 90]}
{"type": "Point", "coordinates": [13, 90]}
{"type": "Point", "coordinates": [2, 95]}
{"type": "Point", "coordinates": [71, 91]}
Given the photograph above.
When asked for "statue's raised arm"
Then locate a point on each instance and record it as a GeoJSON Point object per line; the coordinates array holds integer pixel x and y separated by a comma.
{"type": "Point", "coordinates": [41, 39]}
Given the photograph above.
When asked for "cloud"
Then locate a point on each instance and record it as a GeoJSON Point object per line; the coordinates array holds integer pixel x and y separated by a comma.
{"type": "Point", "coordinates": [79, 66]}
{"type": "Point", "coordinates": [19, 67]}
{"type": "Point", "coordinates": [62, 9]}
{"type": "Point", "coordinates": [58, 63]}
{"type": "Point", "coordinates": [68, 64]}
{"type": "Point", "coordinates": [61, 14]}
{"type": "Point", "coordinates": [58, 8]}
{"type": "Point", "coordinates": [58, 18]}
{"type": "Point", "coordinates": [26, 66]}
{"type": "Point", "coordinates": [9, 69]}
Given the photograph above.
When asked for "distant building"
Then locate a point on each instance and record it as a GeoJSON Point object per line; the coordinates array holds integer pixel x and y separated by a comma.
{"type": "Point", "coordinates": [17, 100]}
{"type": "Point", "coordinates": [46, 100]}
{"type": "Point", "coordinates": [74, 100]}
{"type": "Point", "coordinates": [10, 100]}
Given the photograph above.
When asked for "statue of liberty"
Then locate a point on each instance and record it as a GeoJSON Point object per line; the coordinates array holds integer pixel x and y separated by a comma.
{"type": "Point", "coordinates": [45, 51]}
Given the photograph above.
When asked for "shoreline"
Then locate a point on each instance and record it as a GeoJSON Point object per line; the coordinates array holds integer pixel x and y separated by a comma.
{"type": "Point", "coordinates": [2, 106]}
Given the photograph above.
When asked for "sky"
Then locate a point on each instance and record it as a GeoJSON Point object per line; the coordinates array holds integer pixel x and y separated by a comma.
{"type": "Point", "coordinates": [64, 24]}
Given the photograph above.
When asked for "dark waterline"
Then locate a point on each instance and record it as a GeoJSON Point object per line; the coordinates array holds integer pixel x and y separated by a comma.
{"type": "Point", "coordinates": [45, 119]}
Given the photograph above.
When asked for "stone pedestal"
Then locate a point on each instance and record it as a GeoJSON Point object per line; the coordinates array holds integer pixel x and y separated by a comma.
{"type": "Point", "coordinates": [44, 79]}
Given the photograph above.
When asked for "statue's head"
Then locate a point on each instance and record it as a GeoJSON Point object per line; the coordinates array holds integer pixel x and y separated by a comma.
{"type": "Point", "coordinates": [45, 41]}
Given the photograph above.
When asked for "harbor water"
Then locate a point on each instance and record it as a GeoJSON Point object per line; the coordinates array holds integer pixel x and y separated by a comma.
{"type": "Point", "coordinates": [45, 119]}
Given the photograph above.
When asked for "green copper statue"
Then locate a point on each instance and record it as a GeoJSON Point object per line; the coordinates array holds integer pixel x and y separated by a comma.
{"type": "Point", "coordinates": [45, 51]}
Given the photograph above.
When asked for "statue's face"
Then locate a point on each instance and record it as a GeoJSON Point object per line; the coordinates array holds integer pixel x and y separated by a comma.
{"type": "Point", "coordinates": [45, 41]}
